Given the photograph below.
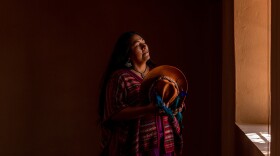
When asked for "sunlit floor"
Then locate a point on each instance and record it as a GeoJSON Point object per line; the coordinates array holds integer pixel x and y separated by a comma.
{"type": "Point", "coordinates": [259, 134]}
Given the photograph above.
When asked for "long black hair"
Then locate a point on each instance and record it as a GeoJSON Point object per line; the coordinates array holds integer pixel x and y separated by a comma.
{"type": "Point", "coordinates": [119, 57]}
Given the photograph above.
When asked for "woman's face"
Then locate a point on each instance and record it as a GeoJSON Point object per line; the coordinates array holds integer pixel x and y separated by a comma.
{"type": "Point", "coordinates": [139, 50]}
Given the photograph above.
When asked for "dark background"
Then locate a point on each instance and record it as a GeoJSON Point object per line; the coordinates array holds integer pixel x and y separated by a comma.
{"type": "Point", "coordinates": [53, 53]}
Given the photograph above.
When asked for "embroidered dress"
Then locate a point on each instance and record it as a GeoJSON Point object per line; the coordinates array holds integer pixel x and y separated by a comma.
{"type": "Point", "coordinates": [140, 136]}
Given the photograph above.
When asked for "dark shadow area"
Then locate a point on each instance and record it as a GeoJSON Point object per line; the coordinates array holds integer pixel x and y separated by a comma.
{"type": "Point", "coordinates": [53, 53]}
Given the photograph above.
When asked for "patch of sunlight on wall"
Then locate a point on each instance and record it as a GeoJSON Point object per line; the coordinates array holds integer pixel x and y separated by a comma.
{"type": "Point", "coordinates": [252, 56]}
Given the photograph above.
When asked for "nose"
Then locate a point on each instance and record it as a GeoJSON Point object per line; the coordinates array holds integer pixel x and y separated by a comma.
{"type": "Point", "coordinates": [145, 46]}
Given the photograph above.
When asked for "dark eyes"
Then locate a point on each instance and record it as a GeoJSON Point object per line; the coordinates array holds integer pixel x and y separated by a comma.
{"type": "Point", "coordinates": [141, 44]}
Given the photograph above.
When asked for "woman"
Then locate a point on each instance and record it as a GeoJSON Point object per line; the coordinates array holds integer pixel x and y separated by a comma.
{"type": "Point", "coordinates": [129, 125]}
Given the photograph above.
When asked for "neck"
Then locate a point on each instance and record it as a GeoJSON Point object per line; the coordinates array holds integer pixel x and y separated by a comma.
{"type": "Point", "coordinates": [140, 68]}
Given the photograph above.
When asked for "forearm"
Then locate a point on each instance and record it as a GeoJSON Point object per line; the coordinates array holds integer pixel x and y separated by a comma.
{"type": "Point", "coordinates": [133, 112]}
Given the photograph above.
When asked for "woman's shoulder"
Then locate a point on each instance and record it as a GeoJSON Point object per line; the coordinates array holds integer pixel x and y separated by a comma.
{"type": "Point", "coordinates": [120, 73]}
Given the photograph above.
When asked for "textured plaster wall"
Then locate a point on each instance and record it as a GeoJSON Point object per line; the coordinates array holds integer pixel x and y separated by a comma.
{"type": "Point", "coordinates": [252, 60]}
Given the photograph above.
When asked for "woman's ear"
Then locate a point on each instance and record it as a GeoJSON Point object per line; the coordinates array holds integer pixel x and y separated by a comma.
{"type": "Point", "coordinates": [128, 63]}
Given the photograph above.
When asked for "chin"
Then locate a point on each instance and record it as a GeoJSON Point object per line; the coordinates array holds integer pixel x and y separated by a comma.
{"type": "Point", "coordinates": [147, 58]}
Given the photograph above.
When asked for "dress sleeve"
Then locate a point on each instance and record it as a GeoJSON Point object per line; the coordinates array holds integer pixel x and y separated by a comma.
{"type": "Point", "coordinates": [115, 96]}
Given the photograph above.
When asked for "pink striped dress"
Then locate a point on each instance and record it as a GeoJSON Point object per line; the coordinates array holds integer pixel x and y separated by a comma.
{"type": "Point", "coordinates": [150, 135]}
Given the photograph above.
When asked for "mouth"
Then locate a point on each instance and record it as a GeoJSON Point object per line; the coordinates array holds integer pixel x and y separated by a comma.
{"type": "Point", "coordinates": [145, 53]}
